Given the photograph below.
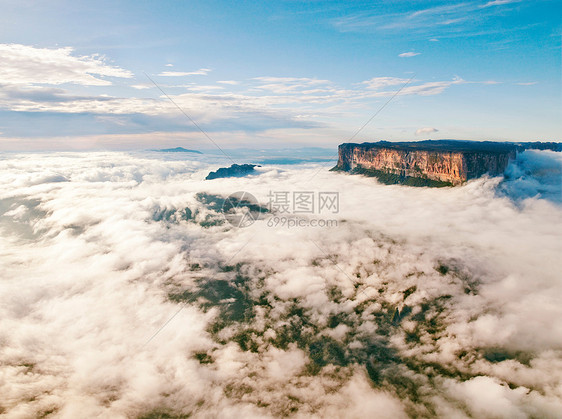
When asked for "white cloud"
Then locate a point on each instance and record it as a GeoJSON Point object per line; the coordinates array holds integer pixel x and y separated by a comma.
{"type": "Point", "coordinates": [261, 104]}
{"type": "Point", "coordinates": [423, 89]}
{"type": "Point", "coordinates": [142, 86]}
{"type": "Point", "coordinates": [48, 100]}
{"type": "Point", "coordinates": [450, 19]}
{"type": "Point", "coordinates": [97, 244]}
{"type": "Point", "coordinates": [437, 16]}
{"type": "Point", "coordinates": [200, 72]}
{"type": "Point", "coordinates": [292, 85]}
{"type": "Point", "coordinates": [408, 54]}
{"type": "Point", "coordinates": [27, 65]}
{"type": "Point", "coordinates": [377, 82]}
{"type": "Point", "coordinates": [434, 40]}
{"type": "Point", "coordinates": [169, 65]}
{"type": "Point", "coordinates": [499, 2]}
{"type": "Point", "coordinates": [528, 83]}
{"type": "Point", "coordinates": [426, 130]}
{"type": "Point", "coordinates": [488, 397]}
{"type": "Point", "coordinates": [204, 88]}
{"type": "Point", "coordinates": [430, 88]}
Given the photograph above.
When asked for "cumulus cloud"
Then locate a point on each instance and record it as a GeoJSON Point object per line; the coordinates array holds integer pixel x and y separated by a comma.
{"type": "Point", "coordinates": [426, 130]}
{"type": "Point", "coordinates": [422, 302]}
{"type": "Point", "coordinates": [28, 65]}
{"type": "Point", "coordinates": [408, 54]}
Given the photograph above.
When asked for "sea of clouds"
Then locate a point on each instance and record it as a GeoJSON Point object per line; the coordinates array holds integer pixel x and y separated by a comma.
{"type": "Point", "coordinates": [123, 293]}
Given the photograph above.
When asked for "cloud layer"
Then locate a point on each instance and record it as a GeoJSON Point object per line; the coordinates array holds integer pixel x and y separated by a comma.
{"type": "Point", "coordinates": [24, 64]}
{"type": "Point", "coordinates": [39, 84]}
{"type": "Point", "coordinates": [422, 302]}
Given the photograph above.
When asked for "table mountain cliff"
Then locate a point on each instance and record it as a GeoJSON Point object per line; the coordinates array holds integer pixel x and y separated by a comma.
{"type": "Point", "coordinates": [431, 163]}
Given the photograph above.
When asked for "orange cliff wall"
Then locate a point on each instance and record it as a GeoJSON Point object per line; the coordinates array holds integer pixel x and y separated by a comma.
{"type": "Point", "coordinates": [454, 167]}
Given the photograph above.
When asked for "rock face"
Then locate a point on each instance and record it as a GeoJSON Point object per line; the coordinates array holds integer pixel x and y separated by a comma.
{"type": "Point", "coordinates": [236, 170]}
{"type": "Point", "coordinates": [426, 163]}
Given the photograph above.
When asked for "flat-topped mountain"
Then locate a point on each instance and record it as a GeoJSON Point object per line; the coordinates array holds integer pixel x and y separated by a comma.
{"type": "Point", "coordinates": [431, 163]}
{"type": "Point", "coordinates": [178, 150]}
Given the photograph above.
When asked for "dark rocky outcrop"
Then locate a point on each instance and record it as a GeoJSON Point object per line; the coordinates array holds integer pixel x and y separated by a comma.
{"type": "Point", "coordinates": [236, 170]}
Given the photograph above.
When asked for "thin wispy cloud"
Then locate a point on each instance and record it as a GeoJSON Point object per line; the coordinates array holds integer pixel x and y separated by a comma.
{"type": "Point", "coordinates": [203, 88]}
{"type": "Point", "coordinates": [292, 85]}
{"type": "Point", "coordinates": [142, 86]}
{"type": "Point", "coordinates": [378, 82]}
{"type": "Point", "coordinates": [463, 17]}
{"type": "Point", "coordinates": [428, 89]}
{"type": "Point", "coordinates": [200, 72]}
{"type": "Point", "coordinates": [500, 2]}
{"type": "Point", "coordinates": [379, 86]}
{"type": "Point", "coordinates": [409, 54]}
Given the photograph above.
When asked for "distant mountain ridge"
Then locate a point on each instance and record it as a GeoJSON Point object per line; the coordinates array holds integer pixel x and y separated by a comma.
{"type": "Point", "coordinates": [464, 145]}
{"type": "Point", "coordinates": [177, 150]}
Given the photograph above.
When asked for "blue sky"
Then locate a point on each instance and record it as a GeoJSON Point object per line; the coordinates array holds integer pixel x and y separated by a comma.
{"type": "Point", "coordinates": [75, 75]}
